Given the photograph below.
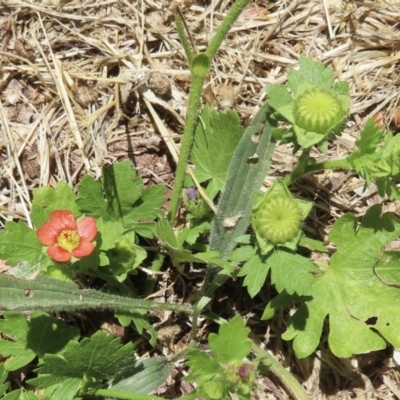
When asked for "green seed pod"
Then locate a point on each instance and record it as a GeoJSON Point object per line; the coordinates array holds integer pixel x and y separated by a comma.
{"type": "Point", "coordinates": [318, 111]}
{"type": "Point", "coordinates": [277, 219]}
{"type": "Point", "coordinates": [277, 216]}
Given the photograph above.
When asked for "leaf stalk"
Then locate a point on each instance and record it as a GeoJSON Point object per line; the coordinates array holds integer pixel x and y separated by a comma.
{"type": "Point", "coordinates": [298, 173]}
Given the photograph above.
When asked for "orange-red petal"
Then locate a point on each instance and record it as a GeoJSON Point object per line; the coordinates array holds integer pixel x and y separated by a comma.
{"type": "Point", "coordinates": [47, 234]}
{"type": "Point", "coordinates": [59, 254]}
{"type": "Point", "coordinates": [87, 228]}
{"type": "Point", "coordinates": [63, 220]}
{"type": "Point", "coordinates": [59, 220]}
{"type": "Point", "coordinates": [83, 249]}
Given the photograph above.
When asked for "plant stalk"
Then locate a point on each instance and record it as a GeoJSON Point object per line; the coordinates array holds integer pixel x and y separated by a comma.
{"type": "Point", "coordinates": [287, 379]}
{"type": "Point", "coordinates": [226, 25]}
{"type": "Point", "coordinates": [194, 99]}
{"type": "Point", "coordinates": [299, 173]}
{"type": "Point", "coordinates": [151, 280]}
{"type": "Point", "coordinates": [187, 141]}
{"type": "Point", "coordinates": [124, 395]}
{"type": "Point", "coordinates": [187, 46]}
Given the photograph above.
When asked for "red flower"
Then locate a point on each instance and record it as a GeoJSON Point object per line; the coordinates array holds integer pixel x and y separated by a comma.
{"type": "Point", "coordinates": [66, 237]}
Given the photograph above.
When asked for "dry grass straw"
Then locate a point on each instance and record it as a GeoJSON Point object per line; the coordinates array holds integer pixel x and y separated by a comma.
{"type": "Point", "coordinates": [70, 70]}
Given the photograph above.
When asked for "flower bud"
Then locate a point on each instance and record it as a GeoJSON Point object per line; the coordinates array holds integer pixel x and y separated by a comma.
{"type": "Point", "coordinates": [277, 220]}
{"type": "Point", "coordinates": [318, 111]}
{"type": "Point", "coordinates": [277, 217]}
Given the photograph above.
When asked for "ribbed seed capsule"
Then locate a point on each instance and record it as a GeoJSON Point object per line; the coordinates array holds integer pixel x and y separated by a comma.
{"type": "Point", "coordinates": [318, 111]}
{"type": "Point", "coordinates": [277, 219]}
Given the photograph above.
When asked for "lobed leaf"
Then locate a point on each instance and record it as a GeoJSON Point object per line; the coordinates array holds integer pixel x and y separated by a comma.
{"type": "Point", "coordinates": [309, 76]}
{"type": "Point", "coordinates": [99, 357]}
{"type": "Point", "coordinates": [231, 343]}
{"type": "Point", "coordinates": [42, 334]}
{"type": "Point", "coordinates": [47, 199]}
{"type": "Point", "coordinates": [361, 309]}
{"type": "Point", "coordinates": [19, 243]}
{"type": "Point", "coordinates": [216, 139]}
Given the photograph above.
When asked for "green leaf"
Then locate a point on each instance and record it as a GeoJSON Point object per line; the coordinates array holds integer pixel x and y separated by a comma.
{"type": "Point", "coordinates": [216, 139]}
{"type": "Point", "coordinates": [3, 378]}
{"type": "Point", "coordinates": [280, 100]}
{"type": "Point", "coordinates": [255, 271]}
{"type": "Point", "coordinates": [14, 395]}
{"type": "Point", "coordinates": [147, 207]}
{"type": "Point", "coordinates": [310, 75]}
{"type": "Point", "coordinates": [110, 232]}
{"type": "Point", "coordinates": [66, 390]}
{"type": "Point", "coordinates": [283, 299]}
{"type": "Point", "coordinates": [242, 253]}
{"type": "Point", "coordinates": [49, 294]}
{"type": "Point", "coordinates": [311, 244]}
{"type": "Point", "coordinates": [121, 189]}
{"type": "Point", "coordinates": [46, 200]}
{"type": "Point", "coordinates": [28, 396]}
{"type": "Point", "coordinates": [368, 160]}
{"type": "Point", "coordinates": [388, 188]}
{"type": "Point", "coordinates": [370, 137]}
{"type": "Point", "coordinates": [245, 176]}
{"type": "Point", "coordinates": [42, 334]}
{"type": "Point", "coordinates": [231, 343]}
{"type": "Point", "coordinates": [307, 139]}
{"type": "Point", "coordinates": [349, 293]}
{"type": "Point", "coordinates": [91, 198]}
{"type": "Point", "coordinates": [164, 232]}
{"type": "Point", "coordinates": [202, 365]}
{"type": "Point", "coordinates": [143, 377]}
{"type": "Point", "coordinates": [124, 257]}
{"type": "Point", "coordinates": [291, 272]}
{"type": "Point", "coordinates": [141, 322]}
{"type": "Point", "coordinates": [98, 357]}
{"type": "Point", "coordinates": [19, 243]}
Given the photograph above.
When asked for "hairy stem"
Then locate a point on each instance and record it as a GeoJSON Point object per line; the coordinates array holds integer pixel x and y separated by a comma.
{"type": "Point", "coordinates": [187, 47]}
{"type": "Point", "coordinates": [195, 97]}
{"type": "Point", "coordinates": [298, 173]}
{"type": "Point", "coordinates": [151, 280]}
{"type": "Point", "coordinates": [125, 395]}
{"type": "Point", "coordinates": [288, 380]}
{"type": "Point", "coordinates": [227, 23]}
{"type": "Point", "coordinates": [187, 141]}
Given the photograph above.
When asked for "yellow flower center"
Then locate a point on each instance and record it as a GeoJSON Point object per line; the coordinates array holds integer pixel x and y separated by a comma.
{"type": "Point", "coordinates": [68, 240]}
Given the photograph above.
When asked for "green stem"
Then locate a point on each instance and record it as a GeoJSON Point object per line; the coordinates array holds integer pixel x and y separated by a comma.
{"type": "Point", "coordinates": [194, 98]}
{"type": "Point", "coordinates": [124, 395]}
{"type": "Point", "coordinates": [226, 25]}
{"type": "Point", "coordinates": [180, 26]}
{"type": "Point", "coordinates": [207, 292]}
{"type": "Point", "coordinates": [151, 280]}
{"type": "Point", "coordinates": [288, 381]}
{"type": "Point", "coordinates": [298, 173]}
{"type": "Point", "coordinates": [187, 141]}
